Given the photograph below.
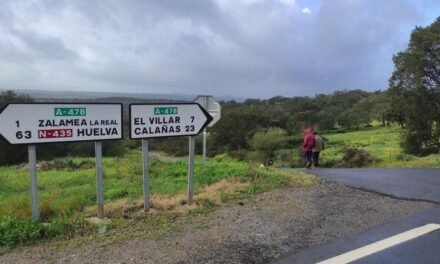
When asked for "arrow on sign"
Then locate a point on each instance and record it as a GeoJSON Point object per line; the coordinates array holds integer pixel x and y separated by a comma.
{"type": "Point", "coordinates": [167, 120]}
{"type": "Point", "coordinates": [34, 123]}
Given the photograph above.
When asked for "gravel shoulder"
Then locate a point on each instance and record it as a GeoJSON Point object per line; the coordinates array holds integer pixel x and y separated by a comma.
{"type": "Point", "coordinates": [259, 231]}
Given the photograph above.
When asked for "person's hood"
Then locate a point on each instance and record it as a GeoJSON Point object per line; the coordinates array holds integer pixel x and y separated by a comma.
{"type": "Point", "coordinates": [308, 131]}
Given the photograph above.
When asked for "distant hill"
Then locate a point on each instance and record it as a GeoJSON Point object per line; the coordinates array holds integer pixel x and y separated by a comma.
{"type": "Point", "coordinates": [41, 95]}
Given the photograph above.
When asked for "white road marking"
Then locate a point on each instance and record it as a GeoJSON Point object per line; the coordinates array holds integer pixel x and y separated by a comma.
{"type": "Point", "coordinates": [381, 245]}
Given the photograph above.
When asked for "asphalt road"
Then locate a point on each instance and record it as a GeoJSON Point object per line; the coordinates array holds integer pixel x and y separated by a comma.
{"type": "Point", "coordinates": [424, 249]}
{"type": "Point", "coordinates": [419, 184]}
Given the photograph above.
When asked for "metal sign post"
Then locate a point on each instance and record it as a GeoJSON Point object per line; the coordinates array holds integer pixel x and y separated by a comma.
{"type": "Point", "coordinates": [192, 143]}
{"type": "Point", "coordinates": [146, 174]}
{"type": "Point", "coordinates": [34, 185]}
{"type": "Point", "coordinates": [204, 150]}
{"type": "Point", "coordinates": [205, 106]}
{"type": "Point", "coordinates": [99, 187]}
{"type": "Point", "coordinates": [214, 109]}
{"type": "Point", "coordinates": [167, 120]}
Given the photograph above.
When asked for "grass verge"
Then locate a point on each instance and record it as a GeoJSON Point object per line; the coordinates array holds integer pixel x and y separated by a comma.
{"type": "Point", "coordinates": [67, 197]}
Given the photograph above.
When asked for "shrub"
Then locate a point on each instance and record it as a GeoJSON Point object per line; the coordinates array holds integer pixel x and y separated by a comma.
{"type": "Point", "coordinates": [404, 157]}
{"type": "Point", "coordinates": [296, 162]}
{"type": "Point", "coordinates": [66, 163]}
{"type": "Point", "coordinates": [16, 231]}
{"type": "Point", "coordinates": [284, 155]}
{"type": "Point", "coordinates": [355, 158]}
{"type": "Point", "coordinates": [239, 155]}
{"type": "Point", "coordinates": [268, 140]}
{"type": "Point", "coordinates": [257, 156]}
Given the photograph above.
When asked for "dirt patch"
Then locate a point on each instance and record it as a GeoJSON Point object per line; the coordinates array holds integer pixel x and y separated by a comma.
{"type": "Point", "coordinates": [257, 231]}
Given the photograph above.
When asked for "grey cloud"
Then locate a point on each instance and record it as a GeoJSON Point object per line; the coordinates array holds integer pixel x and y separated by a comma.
{"type": "Point", "coordinates": [44, 47]}
{"type": "Point", "coordinates": [349, 40]}
{"type": "Point", "coordinates": [211, 46]}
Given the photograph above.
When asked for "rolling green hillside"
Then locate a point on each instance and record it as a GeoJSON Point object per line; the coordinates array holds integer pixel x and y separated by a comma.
{"type": "Point", "coordinates": [381, 142]}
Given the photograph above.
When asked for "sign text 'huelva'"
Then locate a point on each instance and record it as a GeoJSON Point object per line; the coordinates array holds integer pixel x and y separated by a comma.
{"type": "Point", "coordinates": [33, 123]}
{"type": "Point", "coordinates": [167, 120]}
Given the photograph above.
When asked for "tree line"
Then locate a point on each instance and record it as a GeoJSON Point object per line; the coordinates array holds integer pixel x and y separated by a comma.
{"type": "Point", "coordinates": [338, 111]}
{"type": "Point", "coordinates": [239, 123]}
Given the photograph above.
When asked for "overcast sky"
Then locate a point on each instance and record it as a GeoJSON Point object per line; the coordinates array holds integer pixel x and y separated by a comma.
{"type": "Point", "coordinates": [246, 48]}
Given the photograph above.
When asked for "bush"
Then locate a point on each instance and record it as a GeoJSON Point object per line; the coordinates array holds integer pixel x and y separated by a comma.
{"type": "Point", "coordinates": [284, 155]}
{"type": "Point", "coordinates": [239, 155]}
{"type": "Point", "coordinates": [268, 140]}
{"type": "Point", "coordinates": [355, 158]}
{"type": "Point", "coordinates": [257, 156]}
{"type": "Point", "coordinates": [297, 162]}
{"type": "Point", "coordinates": [66, 164]}
{"type": "Point", "coordinates": [16, 231]}
{"type": "Point", "coordinates": [328, 161]}
{"type": "Point", "coordinates": [404, 157]}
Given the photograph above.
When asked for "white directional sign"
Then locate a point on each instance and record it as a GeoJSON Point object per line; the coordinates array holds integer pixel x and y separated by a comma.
{"type": "Point", "coordinates": [167, 120]}
{"type": "Point", "coordinates": [33, 123]}
{"type": "Point", "coordinates": [212, 106]}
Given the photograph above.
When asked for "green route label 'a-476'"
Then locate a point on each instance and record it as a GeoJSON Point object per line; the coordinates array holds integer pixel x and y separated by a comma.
{"type": "Point", "coordinates": [167, 120]}
{"type": "Point", "coordinates": [44, 123]}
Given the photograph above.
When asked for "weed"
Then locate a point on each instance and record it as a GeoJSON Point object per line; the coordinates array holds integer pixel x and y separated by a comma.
{"type": "Point", "coordinates": [205, 206]}
{"type": "Point", "coordinates": [18, 231]}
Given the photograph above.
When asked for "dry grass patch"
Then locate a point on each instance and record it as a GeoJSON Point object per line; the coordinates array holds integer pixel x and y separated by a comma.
{"type": "Point", "coordinates": [175, 204]}
{"type": "Point", "coordinates": [125, 208]}
{"type": "Point", "coordinates": [213, 192]}
{"type": "Point", "coordinates": [114, 208]}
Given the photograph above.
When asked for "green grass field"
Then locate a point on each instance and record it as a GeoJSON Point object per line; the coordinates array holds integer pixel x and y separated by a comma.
{"type": "Point", "coordinates": [381, 142]}
{"type": "Point", "coordinates": [67, 192]}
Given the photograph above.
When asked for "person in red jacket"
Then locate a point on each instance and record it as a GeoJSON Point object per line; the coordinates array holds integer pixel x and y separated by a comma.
{"type": "Point", "coordinates": [309, 144]}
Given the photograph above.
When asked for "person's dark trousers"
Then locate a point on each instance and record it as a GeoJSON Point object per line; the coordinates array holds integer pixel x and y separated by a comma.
{"type": "Point", "coordinates": [315, 156]}
{"type": "Point", "coordinates": [308, 156]}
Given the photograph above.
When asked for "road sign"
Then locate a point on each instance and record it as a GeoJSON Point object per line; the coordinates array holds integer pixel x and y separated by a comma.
{"type": "Point", "coordinates": [212, 106]}
{"type": "Point", "coordinates": [34, 123]}
{"type": "Point", "coordinates": [167, 120]}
